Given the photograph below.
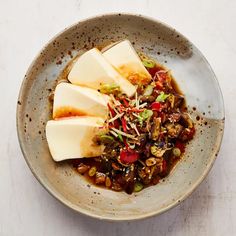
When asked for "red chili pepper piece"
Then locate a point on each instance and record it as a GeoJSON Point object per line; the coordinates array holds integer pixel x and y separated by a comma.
{"type": "Point", "coordinates": [113, 113]}
{"type": "Point", "coordinates": [156, 106]}
{"type": "Point", "coordinates": [124, 124]}
{"type": "Point", "coordinates": [116, 124]}
{"type": "Point", "coordinates": [125, 102]}
{"type": "Point", "coordinates": [128, 156]}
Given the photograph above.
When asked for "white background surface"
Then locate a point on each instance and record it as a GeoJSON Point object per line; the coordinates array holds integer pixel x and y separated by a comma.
{"type": "Point", "coordinates": [25, 207]}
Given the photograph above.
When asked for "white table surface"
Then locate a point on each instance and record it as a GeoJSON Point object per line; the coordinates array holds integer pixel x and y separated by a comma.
{"type": "Point", "coordinates": [25, 207]}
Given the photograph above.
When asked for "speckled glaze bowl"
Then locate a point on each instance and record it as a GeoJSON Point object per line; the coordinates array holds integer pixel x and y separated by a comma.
{"type": "Point", "coordinates": [195, 78]}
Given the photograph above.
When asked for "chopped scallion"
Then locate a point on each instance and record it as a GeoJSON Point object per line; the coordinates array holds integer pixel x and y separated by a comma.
{"type": "Point", "coordinates": [138, 187]}
{"type": "Point", "coordinates": [109, 88]}
{"type": "Point", "coordinates": [148, 63]}
{"type": "Point", "coordinates": [162, 97]}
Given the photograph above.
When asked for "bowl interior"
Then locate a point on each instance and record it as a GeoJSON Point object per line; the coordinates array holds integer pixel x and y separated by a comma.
{"type": "Point", "coordinates": [192, 73]}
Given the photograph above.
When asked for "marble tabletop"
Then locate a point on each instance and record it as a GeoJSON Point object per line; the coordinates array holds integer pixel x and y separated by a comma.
{"type": "Point", "coordinates": [25, 207]}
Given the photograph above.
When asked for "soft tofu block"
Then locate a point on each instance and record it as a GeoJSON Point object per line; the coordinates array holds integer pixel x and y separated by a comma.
{"type": "Point", "coordinates": [71, 138]}
{"type": "Point", "coordinates": [92, 70]}
{"type": "Point", "coordinates": [125, 59]}
{"type": "Point", "coordinates": [73, 100]}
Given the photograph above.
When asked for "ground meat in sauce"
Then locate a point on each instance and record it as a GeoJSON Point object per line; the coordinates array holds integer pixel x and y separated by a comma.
{"type": "Point", "coordinates": [145, 143]}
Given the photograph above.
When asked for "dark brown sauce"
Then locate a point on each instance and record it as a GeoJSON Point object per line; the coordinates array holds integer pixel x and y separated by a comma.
{"type": "Point", "coordinates": [175, 86]}
{"type": "Point", "coordinates": [91, 162]}
{"type": "Point", "coordinates": [177, 89]}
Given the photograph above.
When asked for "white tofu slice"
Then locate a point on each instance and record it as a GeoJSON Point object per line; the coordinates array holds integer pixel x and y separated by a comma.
{"type": "Point", "coordinates": [71, 138]}
{"type": "Point", "coordinates": [125, 59]}
{"type": "Point", "coordinates": [73, 100]}
{"type": "Point", "coordinates": [93, 70]}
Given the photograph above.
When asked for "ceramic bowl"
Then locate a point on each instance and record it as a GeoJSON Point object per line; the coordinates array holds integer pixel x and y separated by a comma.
{"type": "Point", "coordinates": [195, 78]}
